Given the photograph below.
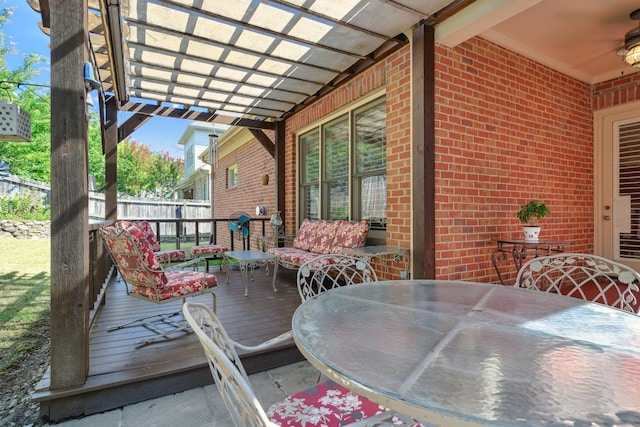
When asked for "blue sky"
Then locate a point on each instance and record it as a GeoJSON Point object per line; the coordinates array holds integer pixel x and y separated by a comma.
{"type": "Point", "coordinates": [24, 35]}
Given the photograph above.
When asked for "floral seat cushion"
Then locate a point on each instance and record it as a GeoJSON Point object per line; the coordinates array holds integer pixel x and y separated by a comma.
{"type": "Point", "coordinates": [179, 284]}
{"type": "Point", "coordinates": [171, 255]}
{"type": "Point", "coordinates": [325, 404]}
{"type": "Point", "coordinates": [208, 250]}
{"type": "Point", "coordinates": [292, 256]}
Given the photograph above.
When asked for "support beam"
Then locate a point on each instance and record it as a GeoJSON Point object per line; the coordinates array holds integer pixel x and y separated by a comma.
{"type": "Point", "coordinates": [264, 140]}
{"type": "Point", "coordinates": [111, 140]}
{"type": "Point", "coordinates": [423, 152]}
{"type": "Point", "coordinates": [69, 196]}
{"type": "Point", "coordinates": [132, 124]}
{"type": "Point", "coordinates": [279, 166]}
{"type": "Point", "coordinates": [178, 113]}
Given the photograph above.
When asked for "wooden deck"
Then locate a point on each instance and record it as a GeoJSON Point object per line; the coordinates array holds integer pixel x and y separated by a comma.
{"type": "Point", "coordinates": [121, 374]}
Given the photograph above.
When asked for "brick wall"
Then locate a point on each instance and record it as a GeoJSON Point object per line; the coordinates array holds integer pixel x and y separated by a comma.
{"type": "Point", "coordinates": [253, 161]}
{"type": "Point", "coordinates": [617, 91]}
{"type": "Point", "coordinates": [508, 130]}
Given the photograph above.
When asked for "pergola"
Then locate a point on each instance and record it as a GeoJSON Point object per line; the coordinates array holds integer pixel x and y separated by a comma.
{"type": "Point", "coordinates": [249, 63]}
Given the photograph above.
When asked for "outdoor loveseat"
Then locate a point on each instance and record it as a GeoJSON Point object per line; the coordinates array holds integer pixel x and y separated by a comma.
{"type": "Point", "coordinates": [321, 237]}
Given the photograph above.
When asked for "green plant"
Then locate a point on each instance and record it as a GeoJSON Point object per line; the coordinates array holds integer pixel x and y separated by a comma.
{"type": "Point", "coordinates": [533, 211]}
{"type": "Point", "coordinates": [23, 207]}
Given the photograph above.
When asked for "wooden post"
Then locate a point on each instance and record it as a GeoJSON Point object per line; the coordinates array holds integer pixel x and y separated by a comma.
{"type": "Point", "coordinates": [69, 196]}
{"type": "Point", "coordinates": [111, 160]}
{"type": "Point", "coordinates": [423, 152]}
{"type": "Point", "coordinates": [279, 185]}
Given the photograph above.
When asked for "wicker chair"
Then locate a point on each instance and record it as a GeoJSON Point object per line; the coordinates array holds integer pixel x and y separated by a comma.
{"type": "Point", "coordinates": [326, 272]}
{"type": "Point", "coordinates": [584, 276]}
{"type": "Point", "coordinates": [324, 404]}
{"type": "Point", "coordinates": [145, 278]}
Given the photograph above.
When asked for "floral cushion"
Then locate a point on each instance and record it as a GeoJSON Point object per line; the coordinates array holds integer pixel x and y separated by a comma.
{"type": "Point", "coordinates": [322, 242]}
{"type": "Point", "coordinates": [306, 232]}
{"type": "Point", "coordinates": [293, 256]}
{"type": "Point", "coordinates": [350, 235]}
{"type": "Point", "coordinates": [179, 284]}
{"type": "Point", "coordinates": [127, 253]}
{"type": "Point", "coordinates": [208, 249]}
{"type": "Point", "coordinates": [146, 228]}
{"type": "Point", "coordinates": [326, 404]}
{"type": "Point", "coordinates": [171, 255]}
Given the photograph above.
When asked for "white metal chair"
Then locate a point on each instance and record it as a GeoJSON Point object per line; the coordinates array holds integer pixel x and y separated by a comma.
{"type": "Point", "coordinates": [325, 404]}
{"type": "Point", "coordinates": [145, 278]}
{"type": "Point", "coordinates": [588, 277]}
{"type": "Point", "coordinates": [326, 272]}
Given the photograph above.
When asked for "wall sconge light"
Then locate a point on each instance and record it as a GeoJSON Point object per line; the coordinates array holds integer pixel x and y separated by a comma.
{"type": "Point", "coordinates": [15, 123]}
{"type": "Point", "coordinates": [630, 52]}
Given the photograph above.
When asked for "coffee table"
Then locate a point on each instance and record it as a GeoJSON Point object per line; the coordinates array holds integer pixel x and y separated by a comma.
{"type": "Point", "coordinates": [247, 260]}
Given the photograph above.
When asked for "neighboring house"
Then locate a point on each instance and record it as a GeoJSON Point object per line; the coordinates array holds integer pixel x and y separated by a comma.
{"type": "Point", "coordinates": [195, 140]}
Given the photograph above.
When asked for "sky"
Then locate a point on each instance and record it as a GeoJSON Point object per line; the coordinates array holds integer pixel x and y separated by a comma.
{"type": "Point", "coordinates": [24, 36]}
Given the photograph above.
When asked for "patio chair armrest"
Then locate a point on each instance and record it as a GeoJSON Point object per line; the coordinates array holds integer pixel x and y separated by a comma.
{"type": "Point", "coordinates": [267, 344]}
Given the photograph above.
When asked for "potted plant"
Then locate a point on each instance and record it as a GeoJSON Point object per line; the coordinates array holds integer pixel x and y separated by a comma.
{"type": "Point", "coordinates": [529, 214]}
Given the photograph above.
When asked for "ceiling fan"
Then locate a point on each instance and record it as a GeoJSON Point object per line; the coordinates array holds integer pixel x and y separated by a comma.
{"type": "Point", "coordinates": [630, 52]}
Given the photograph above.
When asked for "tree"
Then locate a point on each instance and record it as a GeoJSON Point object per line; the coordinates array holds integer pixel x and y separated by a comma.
{"type": "Point", "coordinates": [27, 160]}
{"type": "Point", "coordinates": [142, 172]}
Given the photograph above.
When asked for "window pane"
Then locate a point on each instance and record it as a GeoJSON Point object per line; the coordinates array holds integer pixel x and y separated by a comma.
{"type": "Point", "coordinates": [373, 202]}
{"type": "Point", "coordinates": [371, 140]}
{"type": "Point", "coordinates": [310, 152]}
{"type": "Point", "coordinates": [339, 199]}
{"type": "Point", "coordinates": [310, 201]}
{"type": "Point", "coordinates": [336, 143]}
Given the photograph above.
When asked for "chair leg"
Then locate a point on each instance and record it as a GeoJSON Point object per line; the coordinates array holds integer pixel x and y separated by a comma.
{"type": "Point", "coordinates": [166, 326]}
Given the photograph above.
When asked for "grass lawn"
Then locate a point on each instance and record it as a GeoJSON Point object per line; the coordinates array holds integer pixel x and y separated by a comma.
{"type": "Point", "coordinates": [24, 296]}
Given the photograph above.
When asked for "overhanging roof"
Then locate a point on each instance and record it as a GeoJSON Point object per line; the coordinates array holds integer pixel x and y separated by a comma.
{"type": "Point", "coordinates": [250, 60]}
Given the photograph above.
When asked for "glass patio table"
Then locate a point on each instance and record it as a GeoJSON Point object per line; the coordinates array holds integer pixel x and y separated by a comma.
{"type": "Point", "coordinates": [467, 354]}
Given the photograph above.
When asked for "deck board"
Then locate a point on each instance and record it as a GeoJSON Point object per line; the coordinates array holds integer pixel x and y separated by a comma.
{"type": "Point", "coordinates": [121, 374]}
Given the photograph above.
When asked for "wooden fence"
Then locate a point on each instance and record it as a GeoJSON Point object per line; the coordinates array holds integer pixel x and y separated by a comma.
{"type": "Point", "coordinates": [128, 207]}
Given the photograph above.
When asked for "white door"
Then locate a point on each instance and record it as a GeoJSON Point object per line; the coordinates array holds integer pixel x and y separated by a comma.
{"type": "Point", "coordinates": [617, 175]}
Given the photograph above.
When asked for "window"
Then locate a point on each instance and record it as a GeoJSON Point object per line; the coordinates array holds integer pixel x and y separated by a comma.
{"type": "Point", "coordinates": [232, 176]}
{"type": "Point", "coordinates": [343, 169]}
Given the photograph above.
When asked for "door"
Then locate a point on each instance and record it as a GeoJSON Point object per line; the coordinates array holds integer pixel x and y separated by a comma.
{"type": "Point", "coordinates": [617, 170]}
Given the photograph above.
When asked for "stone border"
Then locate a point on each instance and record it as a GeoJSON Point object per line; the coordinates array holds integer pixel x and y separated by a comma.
{"type": "Point", "coordinates": [26, 229]}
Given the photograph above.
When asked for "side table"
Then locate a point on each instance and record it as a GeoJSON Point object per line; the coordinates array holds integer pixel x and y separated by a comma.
{"type": "Point", "coordinates": [520, 249]}
{"type": "Point", "coordinates": [247, 261]}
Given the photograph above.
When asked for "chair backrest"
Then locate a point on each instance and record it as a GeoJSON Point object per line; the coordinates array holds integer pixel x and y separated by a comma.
{"type": "Point", "coordinates": [326, 272]}
{"type": "Point", "coordinates": [130, 250]}
{"type": "Point", "coordinates": [226, 367]}
{"type": "Point", "coordinates": [147, 230]}
{"type": "Point", "coordinates": [588, 277]}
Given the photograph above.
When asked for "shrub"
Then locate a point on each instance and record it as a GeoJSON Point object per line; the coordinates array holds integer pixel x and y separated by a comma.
{"type": "Point", "coordinates": [22, 208]}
